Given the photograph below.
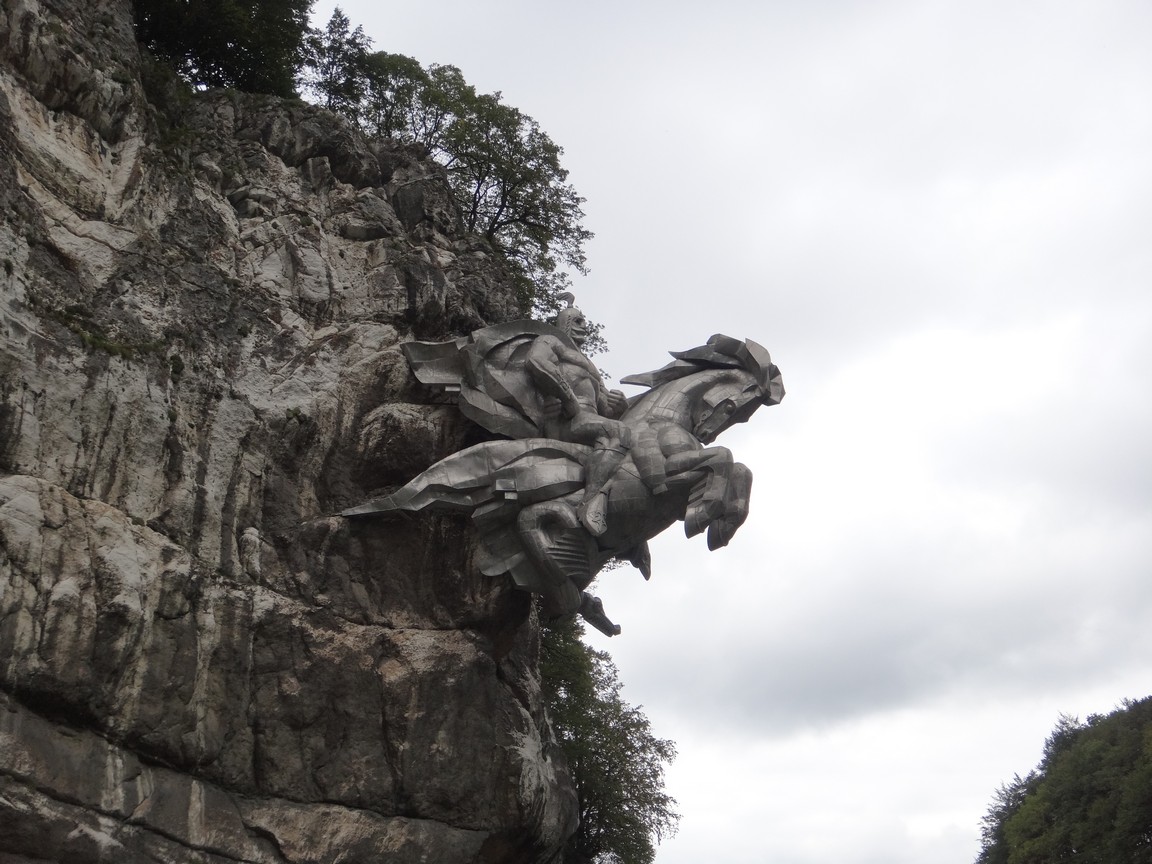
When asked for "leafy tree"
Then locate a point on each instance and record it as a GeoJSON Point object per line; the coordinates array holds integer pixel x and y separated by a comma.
{"type": "Point", "coordinates": [337, 60]}
{"type": "Point", "coordinates": [253, 45]}
{"type": "Point", "coordinates": [1005, 802]}
{"type": "Point", "coordinates": [1090, 799]}
{"type": "Point", "coordinates": [506, 173]}
{"type": "Point", "coordinates": [446, 97]}
{"type": "Point", "coordinates": [504, 169]}
{"type": "Point", "coordinates": [393, 87]}
{"type": "Point", "coordinates": [413, 104]}
{"type": "Point", "coordinates": [616, 762]}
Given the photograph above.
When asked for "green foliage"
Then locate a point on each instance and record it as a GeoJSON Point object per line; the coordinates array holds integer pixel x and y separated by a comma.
{"type": "Point", "coordinates": [504, 169]}
{"type": "Point", "coordinates": [506, 173]}
{"type": "Point", "coordinates": [413, 104]}
{"type": "Point", "coordinates": [1090, 799]}
{"type": "Point", "coordinates": [335, 59]}
{"type": "Point", "coordinates": [1005, 802]}
{"type": "Point", "coordinates": [252, 45]}
{"type": "Point", "coordinates": [616, 762]}
{"type": "Point", "coordinates": [392, 83]}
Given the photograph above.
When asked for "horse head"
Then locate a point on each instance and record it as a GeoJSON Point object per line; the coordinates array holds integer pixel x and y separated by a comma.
{"type": "Point", "coordinates": [721, 383]}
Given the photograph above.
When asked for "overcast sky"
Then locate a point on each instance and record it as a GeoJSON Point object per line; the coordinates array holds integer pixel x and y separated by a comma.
{"type": "Point", "coordinates": [937, 216]}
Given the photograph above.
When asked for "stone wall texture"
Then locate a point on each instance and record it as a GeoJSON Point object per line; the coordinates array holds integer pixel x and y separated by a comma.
{"type": "Point", "coordinates": [199, 365]}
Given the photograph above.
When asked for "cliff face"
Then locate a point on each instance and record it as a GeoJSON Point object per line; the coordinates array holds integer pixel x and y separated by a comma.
{"type": "Point", "coordinates": [199, 329]}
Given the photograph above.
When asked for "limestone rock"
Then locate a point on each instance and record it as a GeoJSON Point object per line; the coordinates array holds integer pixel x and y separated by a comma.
{"type": "Point", "coordinates": [199, 365]}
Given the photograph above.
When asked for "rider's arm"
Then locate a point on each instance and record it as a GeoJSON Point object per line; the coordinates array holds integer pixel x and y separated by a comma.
{"type": "Point", "coordinates": [543, 364]}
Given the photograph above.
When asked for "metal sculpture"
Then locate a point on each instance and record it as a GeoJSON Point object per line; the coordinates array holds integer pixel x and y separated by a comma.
{"type": "Point", "coordinates": [589, 475]}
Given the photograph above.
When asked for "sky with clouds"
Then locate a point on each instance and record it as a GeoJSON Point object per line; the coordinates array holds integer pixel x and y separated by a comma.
{"type": "Point", "coordinates": [937, 216]}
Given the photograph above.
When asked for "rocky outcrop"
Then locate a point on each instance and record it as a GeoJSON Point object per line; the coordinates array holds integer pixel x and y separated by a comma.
{"type": "Point", "coordinates": [199, 365]}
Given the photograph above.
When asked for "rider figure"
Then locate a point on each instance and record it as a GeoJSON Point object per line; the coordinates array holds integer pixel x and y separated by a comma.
{"type": "Point", "coordinates": [587, 412]}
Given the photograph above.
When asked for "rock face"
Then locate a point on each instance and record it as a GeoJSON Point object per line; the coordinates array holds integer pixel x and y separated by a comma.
{"type": "Point", "coordinates": [199, 329]}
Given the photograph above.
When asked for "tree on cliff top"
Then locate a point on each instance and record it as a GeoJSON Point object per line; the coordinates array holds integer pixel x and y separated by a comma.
{"type": "Point", "coordinates": [1089, 800]}
{"type": "Point", "coordinates": [506, 173]}
{"type": "Point", "coordinates": [504, 169]}
{"type": "Point", "coordinates": [616, 762]}
{"type": "Point", "coordinates": [334, 60]}
{"type": "Point", "coordinates": [253, 45]}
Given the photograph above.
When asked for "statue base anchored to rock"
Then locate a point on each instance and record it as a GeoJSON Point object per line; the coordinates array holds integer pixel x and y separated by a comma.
{"type": "Point", "coordinates": [589, 474]}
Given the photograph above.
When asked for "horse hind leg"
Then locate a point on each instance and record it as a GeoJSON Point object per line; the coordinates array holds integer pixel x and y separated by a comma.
{"type": "Point", "coordinates": [557, 546]}
{"type": "Point", "coordinates": [562, 555]}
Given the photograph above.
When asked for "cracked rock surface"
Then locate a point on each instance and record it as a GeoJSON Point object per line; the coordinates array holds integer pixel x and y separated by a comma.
{"type": "Point", "coordinates": [199, 366]}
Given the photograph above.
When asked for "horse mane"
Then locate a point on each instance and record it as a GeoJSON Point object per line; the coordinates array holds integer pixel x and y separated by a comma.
{"type": "Point", "coordinates": [720, 352]}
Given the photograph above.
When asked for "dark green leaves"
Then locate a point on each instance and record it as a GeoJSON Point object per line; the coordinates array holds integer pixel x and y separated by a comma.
{"type": "Point", "coordinates": [253, 45]}
{"type": "Point", "coordinates": [616, 762]}
{"type": "Point", "coordinates": [1089, 801]}
{"type": "Point", "coordinates": [504, 169]}
{"type": "Point", "coordinates": [396, 88]}
{"type": "Point", "coordinates": [335, 59]}
{"type": "Point", "coordinates": [507, 175]}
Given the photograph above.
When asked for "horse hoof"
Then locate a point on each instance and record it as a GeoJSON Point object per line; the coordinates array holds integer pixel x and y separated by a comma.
{"type": "Point", "coordinates": [719, 533]}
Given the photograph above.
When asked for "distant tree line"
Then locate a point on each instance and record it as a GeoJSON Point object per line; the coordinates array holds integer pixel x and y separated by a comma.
{"type": "Point", "coordinates": [504, 169]}
{"type": "Point", "coordinates": [1089, 801]}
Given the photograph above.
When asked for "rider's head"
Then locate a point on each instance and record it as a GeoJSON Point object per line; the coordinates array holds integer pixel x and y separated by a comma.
{"type": "Point", "coordinates": [571, 321]}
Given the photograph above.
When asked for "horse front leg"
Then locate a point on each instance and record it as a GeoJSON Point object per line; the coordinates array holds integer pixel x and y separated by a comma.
{"type": "Point", "coordinates": [736, 500]}
{"type": "Point", "coordinates": [708, 471]}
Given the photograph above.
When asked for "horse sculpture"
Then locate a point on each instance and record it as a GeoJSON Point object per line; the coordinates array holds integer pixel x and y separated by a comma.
{"type": "Point", "coordinates": [525, 495]}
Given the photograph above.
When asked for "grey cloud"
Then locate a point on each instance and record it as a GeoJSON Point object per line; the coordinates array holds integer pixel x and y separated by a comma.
{"type": "Point", "coordinates": [900, 626]}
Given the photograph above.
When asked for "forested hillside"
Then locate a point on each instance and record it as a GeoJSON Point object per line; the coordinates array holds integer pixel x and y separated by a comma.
{"type": "Point", "coordinates": [1089, 800]}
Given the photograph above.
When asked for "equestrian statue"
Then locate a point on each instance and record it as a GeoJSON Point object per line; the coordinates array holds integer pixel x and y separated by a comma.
{"type": "Point", "coordinates": [585, 474]}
